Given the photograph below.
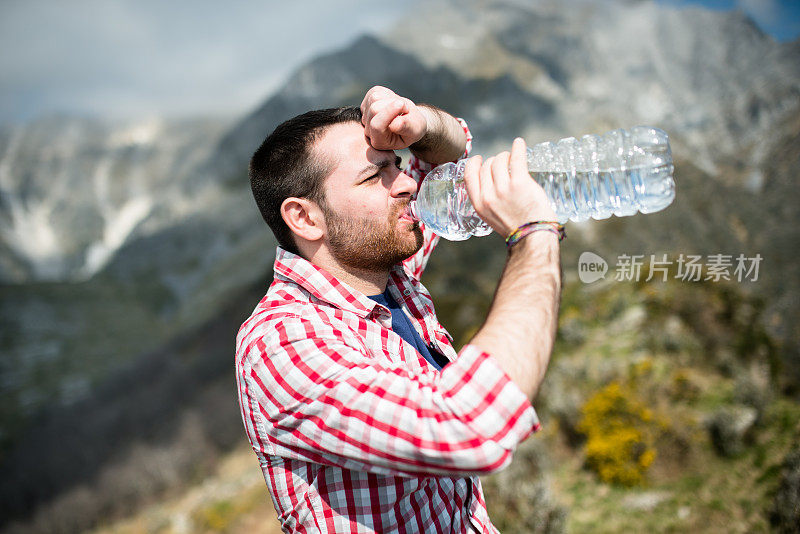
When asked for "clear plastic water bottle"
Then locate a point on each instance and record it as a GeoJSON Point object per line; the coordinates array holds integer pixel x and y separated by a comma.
{"type": "Point", "coordinates": [618, 173]}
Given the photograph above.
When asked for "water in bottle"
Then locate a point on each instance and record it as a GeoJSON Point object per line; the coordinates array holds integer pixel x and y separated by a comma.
{"type": "Point", "coordinates": [620, 173]}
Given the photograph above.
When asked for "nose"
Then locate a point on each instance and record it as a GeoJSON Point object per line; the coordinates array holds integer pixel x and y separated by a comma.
{"type": "Point", "coordinates": [403, 185]}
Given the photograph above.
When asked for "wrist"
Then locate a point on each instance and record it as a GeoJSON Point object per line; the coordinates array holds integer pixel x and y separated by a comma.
{"type": "Point", "coordinates": [536, 241]}
{"type": "Point", "coordinates": [444, 138]}
{"type": "Point", "coordinates": [529, 228]}
{"type": "Point", "coordinates": [428, 141]}
{"type": "Point", "coordinates": [432, 121]}
{"type": "Point", "coordinates": [540, 251]}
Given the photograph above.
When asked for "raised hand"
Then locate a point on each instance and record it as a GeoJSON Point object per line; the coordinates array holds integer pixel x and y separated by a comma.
{"type": "Point", "coordinates": [391, 122]}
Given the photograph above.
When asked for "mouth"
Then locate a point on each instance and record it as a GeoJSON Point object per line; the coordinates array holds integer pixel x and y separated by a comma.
{"type": "Point", "coordinates": [405, 213]}
{"type": "Point", "coordinates": [405, 216]}
{"type": "Point", "coordinates": [407, 223]}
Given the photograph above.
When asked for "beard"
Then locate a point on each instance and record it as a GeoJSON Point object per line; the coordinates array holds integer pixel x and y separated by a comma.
{"type": "Point", "coordinates": [368, 244]}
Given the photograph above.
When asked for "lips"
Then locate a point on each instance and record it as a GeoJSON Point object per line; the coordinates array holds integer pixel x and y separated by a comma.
{"type": "Point", "coordinates": [404, 212]}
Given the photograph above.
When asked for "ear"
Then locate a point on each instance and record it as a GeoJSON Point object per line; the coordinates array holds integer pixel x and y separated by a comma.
{"type": "Point", "coordinates": [304, 218]}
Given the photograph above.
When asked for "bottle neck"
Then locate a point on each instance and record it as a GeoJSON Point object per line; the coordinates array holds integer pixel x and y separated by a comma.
{"type": "Point", "coordinates": [413, 210]}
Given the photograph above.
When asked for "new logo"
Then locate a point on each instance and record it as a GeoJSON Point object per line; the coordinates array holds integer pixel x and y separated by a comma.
{"type": "Point", "coordinates": [591, 267]}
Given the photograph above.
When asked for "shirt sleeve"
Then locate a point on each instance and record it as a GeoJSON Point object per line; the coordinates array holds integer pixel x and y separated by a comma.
{"type": "Point", "coordinates": [418, 169]}
{"type": "Point", "coordinates": [317, 397]}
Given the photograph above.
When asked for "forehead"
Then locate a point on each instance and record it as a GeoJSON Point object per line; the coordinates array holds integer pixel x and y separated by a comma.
{"type": "Point", "coordinates": [345, 146]}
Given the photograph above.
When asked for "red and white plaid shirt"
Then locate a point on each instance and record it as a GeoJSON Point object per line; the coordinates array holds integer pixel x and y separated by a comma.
{"type": "Point", "coordinates": [354, 430]}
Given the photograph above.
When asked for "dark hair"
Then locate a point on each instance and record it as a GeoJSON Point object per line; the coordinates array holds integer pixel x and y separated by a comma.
{"type": "Point", "coordinates": [284, 166]}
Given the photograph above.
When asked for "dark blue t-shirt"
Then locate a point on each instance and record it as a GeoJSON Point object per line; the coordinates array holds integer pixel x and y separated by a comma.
{"type": "Point", "coordinates": [401, 325]}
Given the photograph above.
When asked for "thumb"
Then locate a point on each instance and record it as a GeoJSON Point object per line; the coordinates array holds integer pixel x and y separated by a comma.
{"type": "Point", "coordinates": [403, 109]}
{"type": "Point", "coordinates": [398, 124]}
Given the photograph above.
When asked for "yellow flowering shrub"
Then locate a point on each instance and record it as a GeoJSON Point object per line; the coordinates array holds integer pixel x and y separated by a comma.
{"type": "Point", "coordinates": [620, 433]}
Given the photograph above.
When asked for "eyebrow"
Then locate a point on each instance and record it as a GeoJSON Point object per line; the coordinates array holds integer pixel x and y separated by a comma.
{"type": "Point", "coordinates": [374, 168]}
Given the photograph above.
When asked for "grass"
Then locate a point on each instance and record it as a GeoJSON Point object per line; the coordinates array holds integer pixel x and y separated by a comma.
{"type": "Point", "coordinates": [622, 334]}
{"type": "Point", "coordinates": [234, 499]}
{"type": "Point", "coordinates": [705, 494]}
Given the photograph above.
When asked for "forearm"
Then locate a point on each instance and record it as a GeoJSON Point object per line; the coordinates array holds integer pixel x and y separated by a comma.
{"type": "Point", "coordinates": [445, 139]}
{"type": "Point", "coordinates": [520, 329]}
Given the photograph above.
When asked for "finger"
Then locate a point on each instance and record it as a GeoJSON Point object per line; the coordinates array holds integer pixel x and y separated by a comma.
{"type": "Point", "coordinates": [486, 181]}
{"type": "Point", "coordinates": [500, 172]}
{"type": "Point", "coordinates": [472, 180]}
{"type": "Point", "coordinates": [407, 105]}
{"type": "Point", "coordinates": [398, 124]}
{"type": "Point", "coordinates": [380, 121]}
{"type": "Point", "coordinates": [372, 100]}
{"type": "Point", "coordinates": [365, 107]}
{"type": "Point", "coordinates": [375, 93]}
{"type": "Point", "coordinates": [372, 109]}
{"type": "Point", "coordinates": [411, 126]}
{"type": "Point", "coordinates": [378, 92]}
{"type": "Point", "coordinates": [519, 159]}
{"type": "Point", "coordinates": [402, 114]}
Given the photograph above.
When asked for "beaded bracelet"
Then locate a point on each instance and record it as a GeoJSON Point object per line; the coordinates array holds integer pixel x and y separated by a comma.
{"type": "Point", "coordinates": [528, 228]}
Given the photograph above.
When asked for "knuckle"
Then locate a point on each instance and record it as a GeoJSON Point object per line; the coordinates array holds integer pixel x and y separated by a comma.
{"type": "Point", "coordinates": [500, 159]}
{"type": "Point", "coordinates": [488, 197]}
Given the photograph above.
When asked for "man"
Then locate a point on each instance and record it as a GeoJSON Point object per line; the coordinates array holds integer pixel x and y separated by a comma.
{"type": "Point", "coordinates": [362, 416]}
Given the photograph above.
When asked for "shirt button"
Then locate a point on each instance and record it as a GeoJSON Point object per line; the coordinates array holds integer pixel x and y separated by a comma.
{"type": "Point", "coordinates": [406, 292]}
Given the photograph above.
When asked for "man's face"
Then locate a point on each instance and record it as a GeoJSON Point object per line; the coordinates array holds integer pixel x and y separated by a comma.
{"type": "Point", "coordinates": [366, 196]}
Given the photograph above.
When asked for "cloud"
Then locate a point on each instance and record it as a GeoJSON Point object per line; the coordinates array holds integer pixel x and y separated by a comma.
{"type": "Point", "coordinates": [131, 57]}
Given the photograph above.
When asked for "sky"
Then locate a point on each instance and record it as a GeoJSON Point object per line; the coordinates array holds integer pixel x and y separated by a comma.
{"type": "Point", "coordinates": [779, 18]}
{"type": "Point", "coordinates": [140, 58]}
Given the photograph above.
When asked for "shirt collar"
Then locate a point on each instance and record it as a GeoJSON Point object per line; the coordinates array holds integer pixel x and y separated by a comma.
{"type": "Point", "coordinates": [326, 287]}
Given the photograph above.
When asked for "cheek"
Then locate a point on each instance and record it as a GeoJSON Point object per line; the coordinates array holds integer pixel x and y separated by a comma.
{"type": "Point", "coordinates": [356, 206]}
{"type": "Point", "coordinates": [372, 206]}
{"type": "Point", "coordinates": [364, 204]}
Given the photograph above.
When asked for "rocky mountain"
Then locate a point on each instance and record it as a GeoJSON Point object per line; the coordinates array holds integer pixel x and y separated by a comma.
{"type": "Point", "coordinates": [712, 79]}
{"type": "Point", "coordinates": [75, 190]}
{"type": "Point", "coordinates": [117, 239]}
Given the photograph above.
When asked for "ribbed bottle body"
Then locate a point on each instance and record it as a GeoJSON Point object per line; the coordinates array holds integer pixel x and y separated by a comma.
{"type": "Point", "coordinates": [620, 173]}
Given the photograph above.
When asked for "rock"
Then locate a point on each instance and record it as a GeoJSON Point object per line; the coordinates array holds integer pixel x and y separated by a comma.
{"type": "Point", "coordinates": [631, 320]}
{"type": "Point", "coordinates": [646, 500]}
{"type": "Point", "coordinates": [785, 513]}
{"type": "Point", "coordinates": [753, 389]}
{"type": "Point", "coordinates": [730, 427]}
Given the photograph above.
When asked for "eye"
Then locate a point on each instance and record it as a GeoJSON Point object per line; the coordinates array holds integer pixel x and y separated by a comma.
{"type": "Point", "coordinates": [371, 178]}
